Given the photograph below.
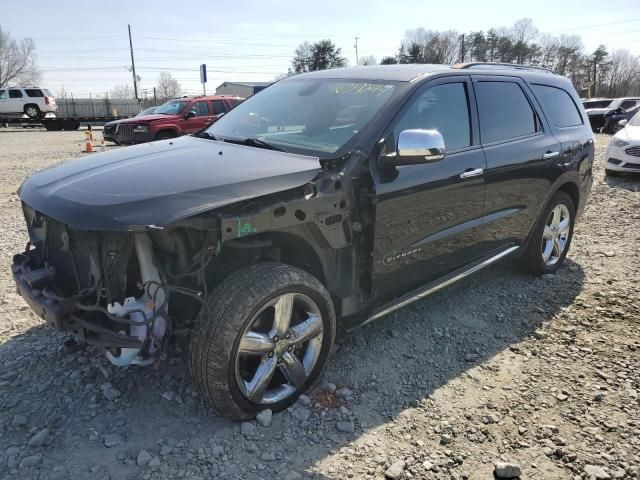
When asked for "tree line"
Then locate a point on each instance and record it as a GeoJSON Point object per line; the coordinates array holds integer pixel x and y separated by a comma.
{"type": "Point", "coordinates": [597, 73]}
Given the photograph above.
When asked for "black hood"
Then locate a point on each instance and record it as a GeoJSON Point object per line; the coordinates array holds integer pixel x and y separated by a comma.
{"type": "Point", "coordinates": [158, 183]}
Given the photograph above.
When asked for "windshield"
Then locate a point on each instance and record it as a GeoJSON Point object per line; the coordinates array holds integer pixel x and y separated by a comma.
{"type": "Point", "coordinates": [317, 116]}
{"type": "Point", "coordinates": [147, 111]}
{"type": "Point", "coordinates": [596, 104]}
{"type": "Point", "coordinates": [635, 121]}
{"type": "Point", "coordinates": [173, 107]}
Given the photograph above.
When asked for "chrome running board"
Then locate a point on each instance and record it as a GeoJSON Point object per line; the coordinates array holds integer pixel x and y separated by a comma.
{"type": "Point", "coordinates": [435, 286]}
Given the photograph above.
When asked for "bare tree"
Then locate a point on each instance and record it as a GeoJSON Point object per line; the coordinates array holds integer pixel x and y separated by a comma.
{"type": "Point", "coordinates": [623, 75]}
{"type": "Point", "coordinates": [122, 91]}
{"type": "Point", "coordinates": [367, 60]}
{"type": "Point", "coordinates": [168, 87]}
{"type": "Point", "coordinates": [17, 61]}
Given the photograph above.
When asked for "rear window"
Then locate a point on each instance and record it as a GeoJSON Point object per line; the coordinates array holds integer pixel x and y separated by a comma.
{"type": "Point", "coordinates": [235, 102]}
{"type": "Point", "coordinates": [558, 105]}
{"type": "Point", "coordinates": [47, 92]}
{"type": "Point", "coordinates": [596, 104]}
{"type": "Point", "coordinates": [15, 94]}
{"type": "Point", "coordinates": [505, 112]}
{"type": "Point", "coordinates": [33, 92]}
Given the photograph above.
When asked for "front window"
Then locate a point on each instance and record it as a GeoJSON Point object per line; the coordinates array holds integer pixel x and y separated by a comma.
{"type": "Point", "coordinates": [315, 116]}
{"type": "Point", "coordinates": [635, 121]}
{"type": "Point", "coordinates": [174, 107]}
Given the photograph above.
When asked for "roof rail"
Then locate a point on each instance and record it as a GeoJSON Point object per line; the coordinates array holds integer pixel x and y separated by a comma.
{"type": "Point", "coordinates": [515, 66]}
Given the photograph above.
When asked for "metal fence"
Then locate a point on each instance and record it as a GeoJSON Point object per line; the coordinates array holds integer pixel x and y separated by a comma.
{"type": "Point", "coordinates": [97, 107]}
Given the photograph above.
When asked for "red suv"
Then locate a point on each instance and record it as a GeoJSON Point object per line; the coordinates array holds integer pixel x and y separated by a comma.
{"type": "Point", "coordinates": [177, 117]}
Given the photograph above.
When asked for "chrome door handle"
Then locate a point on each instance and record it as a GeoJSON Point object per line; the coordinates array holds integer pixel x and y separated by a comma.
{"type": "Point", "coordinates": [550, 155]}
{"type": "Point", "coordinates": [472, 173]}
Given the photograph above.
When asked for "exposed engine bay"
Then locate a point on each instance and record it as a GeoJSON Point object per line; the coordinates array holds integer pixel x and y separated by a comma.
{"type": "Point", "coordinates": [114, 289]}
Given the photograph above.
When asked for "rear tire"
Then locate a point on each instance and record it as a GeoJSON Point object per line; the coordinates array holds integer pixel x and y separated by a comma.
{"type": "Point", "coordinates": [32, 111]}
{"type": "Point", "coordinates": [551, 238]}
{"type": "Point", "coordinates": [263, 340]}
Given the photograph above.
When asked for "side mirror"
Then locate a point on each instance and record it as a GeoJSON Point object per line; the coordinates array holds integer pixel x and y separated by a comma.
{"type": "Point", "coordinates": [623, 122]}
{"type": "Point", "coordinates": [190, 114]}
{"type": "Point", "coordinates": [417, 146]}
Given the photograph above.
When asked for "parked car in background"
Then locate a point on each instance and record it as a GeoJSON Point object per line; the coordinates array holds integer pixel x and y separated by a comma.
{"type": "Point", "coordinates": [176, 117]}
{"type": "Point", "coordinates": [597, 114]}
{"type": "Point", "coordinates": [109, 129]}
{"type": "Point", "coordinates": [613, 119]}
{"type": "Point", "coordinates": [327, 200]}
{"type": "Point", "coordinates": [31, 101]}
{"type": "Point", "coordinates": [623, 151]}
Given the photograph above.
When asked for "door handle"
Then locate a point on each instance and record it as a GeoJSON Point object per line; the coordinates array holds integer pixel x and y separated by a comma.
{"type": "Point", "coordinates": [472, 173]}
{"type": "Point", "coordinates": [550, 155]}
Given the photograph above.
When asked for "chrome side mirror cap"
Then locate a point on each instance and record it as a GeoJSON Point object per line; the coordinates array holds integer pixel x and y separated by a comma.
{"type": "Point", "coordinates": [417, 146]}
{"type": "Point", "coordinates": [623, 122]}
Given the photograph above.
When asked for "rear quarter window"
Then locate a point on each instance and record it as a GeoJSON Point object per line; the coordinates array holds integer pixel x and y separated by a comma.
{"type": "Point", "coordinates": [558, 105]}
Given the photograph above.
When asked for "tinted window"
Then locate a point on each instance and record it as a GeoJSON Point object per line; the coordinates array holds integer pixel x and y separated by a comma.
{"type": "Point", "coordinates": [444, 108]}
{"type": "Point", "coordinates": [628, 104]}
{"type": "Point", "coordinates": [33, 92]}
{"type": "Point", "coordinates": [558, 105]}
{"type": "Point", "coordinates": [504, 111]}
{"type": "Point", "coordinates": [218, 107]}
{"type": "Point", "coordinates": [596, 104]}
{"type": "Point", "coordinates": [200, 108]}
{"type": "Point", "coordinates": [15, 94]}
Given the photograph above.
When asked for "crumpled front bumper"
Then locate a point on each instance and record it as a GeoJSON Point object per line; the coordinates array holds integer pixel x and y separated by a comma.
{"type": "Point", "coordinates": [60, 312]}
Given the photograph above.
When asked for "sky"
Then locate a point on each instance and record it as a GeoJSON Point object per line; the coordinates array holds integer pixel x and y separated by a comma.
{"type": "Point", "coordinates": [83, 47]}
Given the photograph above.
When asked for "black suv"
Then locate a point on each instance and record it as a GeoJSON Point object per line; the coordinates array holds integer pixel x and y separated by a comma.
{"type": "Point", "coordinates": [327, 200]}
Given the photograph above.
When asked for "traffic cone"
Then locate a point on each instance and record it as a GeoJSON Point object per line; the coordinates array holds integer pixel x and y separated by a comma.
{"type": "Point", "coordinates": [88, 145]}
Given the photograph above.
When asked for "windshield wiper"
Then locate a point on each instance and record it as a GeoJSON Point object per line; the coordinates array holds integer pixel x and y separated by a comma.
{"type": "Point", "coordinates": [253, 142]}
{"type": "Point", "coordinates": [204, 134]}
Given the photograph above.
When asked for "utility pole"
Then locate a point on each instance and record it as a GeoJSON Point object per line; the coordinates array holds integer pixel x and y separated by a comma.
{"type": "Point", "coordinates": [356, 47]}
{"type": "Point", "coordinates": [133, 66]}
{"type": "Point", "coordinates": [155, 98]}
{"type": "Point", "coordinates": [462, 48]}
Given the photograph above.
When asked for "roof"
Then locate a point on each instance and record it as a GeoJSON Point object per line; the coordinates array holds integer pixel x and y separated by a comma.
{"type": "Point", "coordinates": [397, 72]}
{"type": "Point", "coordinates": [246, 84]}
{"type": "Point", "coordinates": [411, 72]}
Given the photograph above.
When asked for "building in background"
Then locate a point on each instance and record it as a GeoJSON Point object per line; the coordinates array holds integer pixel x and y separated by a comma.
{"type": "Point", "coordinates": [241, 89]}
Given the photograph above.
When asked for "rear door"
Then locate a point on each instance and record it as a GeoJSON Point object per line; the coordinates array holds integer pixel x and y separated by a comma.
{"type": "Point", "coordinates": [521, 153]}
{"type": "Point", "coordinates": [16, 101]}
{"type": "Point", "coordinates": [218, 108]}
{"type": "Point", "coordinates": [428, 219]}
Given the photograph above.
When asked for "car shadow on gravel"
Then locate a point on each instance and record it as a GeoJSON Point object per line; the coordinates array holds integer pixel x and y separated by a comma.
{"type": "Point", "coordinates": [627, 181]}
{"type": "Point", "coordinates": [100, 417]}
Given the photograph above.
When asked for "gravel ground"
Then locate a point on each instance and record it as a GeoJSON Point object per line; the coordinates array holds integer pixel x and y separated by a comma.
{"type": "Point", "coordinates": [537, 377]}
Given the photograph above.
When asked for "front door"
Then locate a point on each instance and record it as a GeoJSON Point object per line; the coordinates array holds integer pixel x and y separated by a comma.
{"type": "Point", "coordinates": [200, 120]}
{"type": "Point", "coordinates": [429, 216]}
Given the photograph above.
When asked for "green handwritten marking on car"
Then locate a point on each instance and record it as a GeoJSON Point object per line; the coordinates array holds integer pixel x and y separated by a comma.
{"type": "Point", "coordinates": [245, 229]}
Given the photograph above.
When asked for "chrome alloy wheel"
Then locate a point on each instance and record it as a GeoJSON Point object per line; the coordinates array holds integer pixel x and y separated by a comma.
{"type": "Point", "coordinates": [32, 112]}
{"type": "Point", "coordinates": [556, 234]}
{"type": "Point", "coordinates": [279, 349]}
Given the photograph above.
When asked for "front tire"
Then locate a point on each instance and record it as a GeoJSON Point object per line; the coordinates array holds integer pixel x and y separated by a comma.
{"type": "Point", "coordinates": [165, 135]}
{"type": "Point", "coordinates": [551, 238]}
{"type": "Point", "coordinates": [263, 340]}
